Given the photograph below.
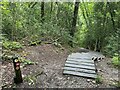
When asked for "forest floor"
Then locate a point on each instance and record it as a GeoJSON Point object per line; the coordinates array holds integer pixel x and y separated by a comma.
{"type": "Point", "coordinates": [47, 73]}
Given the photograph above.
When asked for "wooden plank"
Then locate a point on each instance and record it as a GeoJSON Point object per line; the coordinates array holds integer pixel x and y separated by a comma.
{"type": "Point", "coordinates": [80, 74]}
{"type": "Point", "coordinates": [83, 58]}
{"type": "Point", "coordinates": [81, 63]}
{"type": "Point", "coordinates": [89, 54]}
{"type": "Point", "coordinates": [80, 60]}
{"type": "Point", "coordinates": [81, 54]}
{"type": "Point", "coordinates": [80, 66]}
{"type": "Point", "coordinates": [79, 70]}
{"type": "Point", "coordinates": [86, 58]}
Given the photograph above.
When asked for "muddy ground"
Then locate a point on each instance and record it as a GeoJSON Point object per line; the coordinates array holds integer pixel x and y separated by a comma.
{"type": "Point", "coordinates": [47, 72]}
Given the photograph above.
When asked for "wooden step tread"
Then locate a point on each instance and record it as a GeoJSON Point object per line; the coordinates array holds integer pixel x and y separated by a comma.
{"type": "Point", "coordinates": [80, 63]}
{"type": "Point", "coordinates": [80, 74]}
{"type": "Point", "coordinates": [80, 66]}
{"type": "Point", "coordinates": [81, 60]}
{"type": "Point", "coordinates": [79, 70]}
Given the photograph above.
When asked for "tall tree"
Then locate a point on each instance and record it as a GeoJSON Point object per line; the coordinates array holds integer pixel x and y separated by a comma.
{"type": "Point", "coordinates": [111, 11]}
{"type": "Point", "coordinates": [42, 12]}
{"type": "Point", "coordinates": [74, 18]}
{"type": "Point", "coordinates": [51, 9]}
{"type": "Point", "coordinates": [73, 29]}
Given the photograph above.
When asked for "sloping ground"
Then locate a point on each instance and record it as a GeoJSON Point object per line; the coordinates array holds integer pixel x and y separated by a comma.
{"type": "Point", "coordinates": [49, 70]}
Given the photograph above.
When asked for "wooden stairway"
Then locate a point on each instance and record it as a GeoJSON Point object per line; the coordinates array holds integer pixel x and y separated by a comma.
{"type": "Point", "coordinates": [81, 64]}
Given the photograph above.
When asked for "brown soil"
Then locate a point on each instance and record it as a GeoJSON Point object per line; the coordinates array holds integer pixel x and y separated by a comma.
{"type": "Point", "coordinates": [50, 65]}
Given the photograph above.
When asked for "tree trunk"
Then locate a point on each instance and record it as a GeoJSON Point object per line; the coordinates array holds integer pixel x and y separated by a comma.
{"type": "Point", "coordinates": [58, 11]}
{"type": "Point", "coordinates": [111, 14]}
{"type": "Point", "coordinates": [51, 9]}
{"type": "Point", "coordinates": [87, 15]}
{"type": "Point", "coordinates": [13, 10]}
{"type": "Point", "coordinates": [42, 12]}
{"type": "Point", "coordinates": [73, 29]}
{"type": "Point", "coordinates": [74, 18]}
{"type": "Point", "coordinates": [100, 41]}
{"type": "Point", "coordinates": [32, 4]}
{"type": "Point", "coordinates": [84, 17]}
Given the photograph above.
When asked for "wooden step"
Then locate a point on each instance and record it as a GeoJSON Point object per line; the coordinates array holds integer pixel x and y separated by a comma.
{"type": "Point", "coordinates": [80, 66]}
{"type": "Point", "coordinates": [80, 63]}
{"type": "Point", "coordinates": [80, 74]}
{"type": "Point", "coordinates": [80, 60]}
{"type": "Point", "coordinates": [79, 70]}
{"type": "Point", "coordinates": [83, 57]}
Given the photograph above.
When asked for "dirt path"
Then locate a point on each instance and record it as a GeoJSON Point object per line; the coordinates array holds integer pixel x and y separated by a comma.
{"type": "Point", "coordinates": [50, 62]}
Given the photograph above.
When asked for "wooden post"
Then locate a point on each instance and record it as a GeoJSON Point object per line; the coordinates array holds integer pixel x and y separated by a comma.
{"type": "Point", "coordinates": [18, 77]}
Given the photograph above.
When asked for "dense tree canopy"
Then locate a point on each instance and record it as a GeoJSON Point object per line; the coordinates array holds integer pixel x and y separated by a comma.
{"type": "Point", "coordinates": [91, 25]}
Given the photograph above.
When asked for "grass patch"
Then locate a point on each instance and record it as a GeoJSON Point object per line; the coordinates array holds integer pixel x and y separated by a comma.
{"type": "Point", "coordinates": [116, 61]}
{"type": "Point", "coordinates": [116, 84]}
{"type": "Point", "coordinates": [26, 61]}
{"type": "Point", "coordinates": [30, 79]}
{"type": "Point", "coordinates": [98, 80]}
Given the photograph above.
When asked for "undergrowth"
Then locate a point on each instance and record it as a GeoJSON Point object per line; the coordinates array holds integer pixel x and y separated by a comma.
{"type": "Point", "coordinates": [98, 79]}
{"type": "Point", "coordinates": [12, 45]}
{"type": "Point", "coordinates": [116, 61]}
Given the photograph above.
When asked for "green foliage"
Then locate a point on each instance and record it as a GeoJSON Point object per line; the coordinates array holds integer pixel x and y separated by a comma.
{"type": "Point", "coordinates": [30, 79]}
{"type": "Point", "coordinates": [116, 61]}
{"type": "Point", "coordinates": [99, 33]}
{"type": "Point", "coordinates": [6, 57]}
{"type": "Point", "coordinates": [56, 43]}
{"type": "Point", "coordinates": [112, 47]}
{"type": "Point", "coordinates": [117, 84]}
{"type": "Point", "coordinates": [97, 24]}
{"type": "Point", "coordinates": [12, 45]}
{"type": "Point", "coordinates": [98, 79]}
{"type": "Point", "coordinates": [25, 22]}
{"type": "Point", "coordinates": [26, 61]}
{"type": "Point", "coordinates": [33, 43]}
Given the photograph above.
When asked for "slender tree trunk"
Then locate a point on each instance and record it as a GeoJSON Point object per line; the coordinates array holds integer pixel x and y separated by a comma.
{"type": "Point", "coordinates": [89, 24]}
{"type": "Point", "coordinates": [32, 4]}
{"type": "Point", "coordinates": [58, 10]}
{"type": "Point", "coordinates": [84, 16]}
{"type": "Point", "coordinates": [98, 45]}
{"type": "Point", "coordinates": [73, 29]}
{"type": "Point", "coordinates": [100, 41]}
{"type": "Point", "coordinates": [74, 18]}
{"type": "Point", "coordinates": [51, 9]}
{"type": "Point", "coordinates": [86, 13]}
{"type": "Point", "coordinates": [42, 12]}
{"type": "Point", "coordinates": [111, 14]}
{"type": "Point", "coordinates": [13, 32]}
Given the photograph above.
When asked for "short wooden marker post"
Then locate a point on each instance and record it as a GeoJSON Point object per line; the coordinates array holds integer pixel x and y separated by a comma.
{"type": "Point", "coordinates": [18, 76]}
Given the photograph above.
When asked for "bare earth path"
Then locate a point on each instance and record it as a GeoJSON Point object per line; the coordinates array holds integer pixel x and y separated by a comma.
{"type": "Point", "coordinates": [51, 61]}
